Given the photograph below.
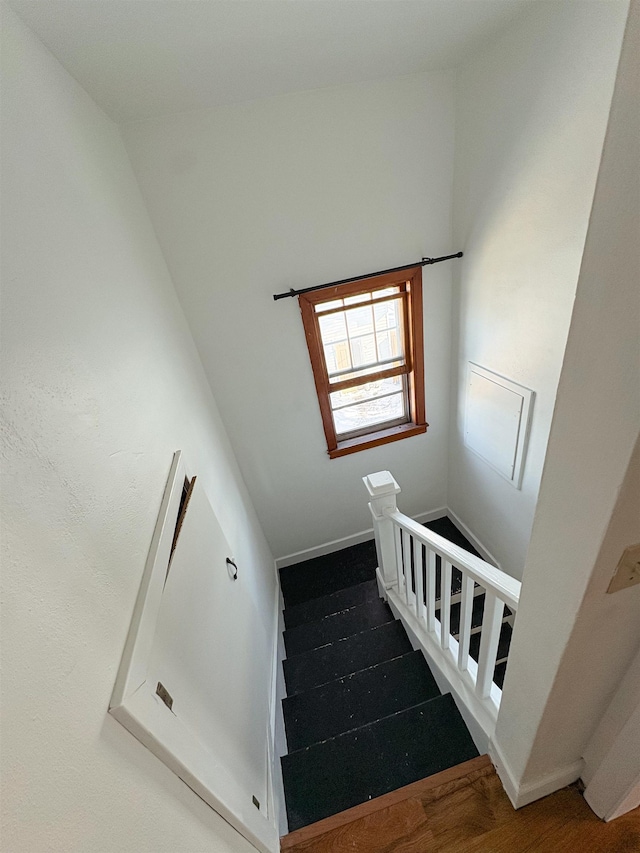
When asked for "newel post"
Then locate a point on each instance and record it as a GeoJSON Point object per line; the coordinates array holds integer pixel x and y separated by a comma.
{"type": "Point", "coordinates": [382, 489]}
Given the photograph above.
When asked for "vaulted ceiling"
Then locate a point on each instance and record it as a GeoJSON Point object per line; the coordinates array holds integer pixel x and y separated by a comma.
{"type": "Point", "coordinates": [144, 58]}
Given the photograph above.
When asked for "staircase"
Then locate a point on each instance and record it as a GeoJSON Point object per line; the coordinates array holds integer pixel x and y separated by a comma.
{"type": "Point", "coordinates": [363, 714]}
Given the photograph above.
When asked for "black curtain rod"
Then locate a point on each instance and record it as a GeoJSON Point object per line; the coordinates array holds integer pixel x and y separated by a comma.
{"type": "Point", "coordinates": [422, 263]}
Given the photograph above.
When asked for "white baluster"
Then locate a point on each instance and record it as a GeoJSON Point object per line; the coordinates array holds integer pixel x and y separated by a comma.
{"type": "Point", "coordinates": [403, 561]}
{"type": "Point", "coordinates": [431, 590]}
{"type": "Point", "coordinates": [399, 570]}
{"type": "Point", "coordinates": [382, 489]}
{"type": "Point", "coordinates": [418, 562]}
{"type": "Point", "coordinates": [491, 626]}
{"type": "Point", "coordinates": [406, 553]}
{"type": "Point", "coordinates": [466, 610]}
{"type": "Point", "coordinates": [445, 603]}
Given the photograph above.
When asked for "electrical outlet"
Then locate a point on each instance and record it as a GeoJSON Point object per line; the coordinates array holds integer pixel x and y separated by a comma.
{"type": "Point", "coordinates": [627, 571]}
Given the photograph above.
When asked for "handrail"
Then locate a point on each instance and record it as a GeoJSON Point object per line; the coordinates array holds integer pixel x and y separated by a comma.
{"type": "Point", "coordinates": [410, 573]}
{"type": "Point", "coordinates": [502, 585]}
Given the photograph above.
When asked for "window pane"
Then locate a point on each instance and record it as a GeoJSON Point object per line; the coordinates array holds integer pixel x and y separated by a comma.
{"type": "Point", "coordinates": [387, 314]}
{"type": "Point", "coordinates": [363, 351]}
{"type": "Point", "coordinates": [387, 291]}
{"type": "Point", "coordinates": [333, 328]}
{"type": "Point", "coordinates": [359, 321]}
{"type": "Point", "coordinates": [327, 306]}
{"type": "Point", "coordinates": [368, 391]}
{"type": "Point", "coordinates": [380, 410]}
{"type": "Point", "coordinates": [360, 297]}
{"type": "Point", "coordinates": [389, 344]}
{"type": "Point", "coordinates": [337, 356]}
{"type": "Point", "coordinates": [363, 371]}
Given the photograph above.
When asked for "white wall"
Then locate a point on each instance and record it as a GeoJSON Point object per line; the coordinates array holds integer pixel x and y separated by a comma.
{"type": "Point", "coordinates": [256, 198]}
{"type": "Point", "coordinates": [612, 759]}
{"type": "Point", "coordinates": [589, 505]}
{"type": "Point", "coordinates": [624, 702]}
{"type": "Point", "coordinates": [530, 121]}
{"type": "Point", "coordinates": [101, 384]}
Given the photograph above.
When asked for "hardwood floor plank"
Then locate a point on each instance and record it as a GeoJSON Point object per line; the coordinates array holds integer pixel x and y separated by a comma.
{"type": "Point", "coordinates": [371, 833]}
{"type": "Point", "coordinates": [474, 816]}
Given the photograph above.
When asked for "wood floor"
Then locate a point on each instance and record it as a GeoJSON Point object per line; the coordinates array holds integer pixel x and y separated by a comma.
{"type": "Point", "coordinates": [472, 815]}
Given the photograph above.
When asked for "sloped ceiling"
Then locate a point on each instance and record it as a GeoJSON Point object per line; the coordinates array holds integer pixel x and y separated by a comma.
{"type": "Point", "coordinates": [144, 58]}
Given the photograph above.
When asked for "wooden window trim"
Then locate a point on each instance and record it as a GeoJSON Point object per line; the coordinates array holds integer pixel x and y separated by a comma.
{"type": "Point", "coordinates": [411, 283]}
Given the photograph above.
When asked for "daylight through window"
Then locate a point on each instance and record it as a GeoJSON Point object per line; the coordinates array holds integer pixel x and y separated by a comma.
{"type": "Point", "coordinates": [365, 344]}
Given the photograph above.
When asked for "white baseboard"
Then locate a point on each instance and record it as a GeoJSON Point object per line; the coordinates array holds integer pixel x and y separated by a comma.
{"type": "Point", "coordinates": [366, 535]}
{"type": "Point", "coordinates": [477, 544]}
{"type": "Point", "coordinates": [523, 794]}
{"type": "Point", "coordinates": [326, 548]}
{"type": "Point", "coordinates": [347, 541]}
{"type": "Point", "coordinates": [277, 734]}
{"type": "Point", "coordinates": [422, 517]}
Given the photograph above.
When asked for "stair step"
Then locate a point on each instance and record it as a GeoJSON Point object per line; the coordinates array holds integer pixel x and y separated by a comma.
{"type": "Point", "coordinates": [302, 638]}
{"type": "Point", "coordinates": [499, 673]}
{"type": "Point", "coordinates": [343, 657]}
{"type": "Point", "coordinates": [357, 766]}
{"type": "Point", "coordinates": [357, 699]}
{"type": "Point", "coordinates": [317, 608]}
{"type": "Point", "coordinates": [329, 573]}
{"type": "Point", "coordinates": [445, 527]}
{"type": "Point", "coordinates": [331, 832]}
{"type": "Point", "coordinates": [503, 643]}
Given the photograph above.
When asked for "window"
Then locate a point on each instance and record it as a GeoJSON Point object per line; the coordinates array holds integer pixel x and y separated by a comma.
{"type": "Point", "coordinates": [365, 345]}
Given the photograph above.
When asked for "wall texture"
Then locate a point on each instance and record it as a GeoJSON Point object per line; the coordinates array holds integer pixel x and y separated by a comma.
{"type": "Point", "coordinates": [531, 115]}
{"type": "Point", "coordinates": [589, 505]}
{"type": "Point", "coordinates": [101, 383]}
{"type": "Point", "coordinates": [253, 199]}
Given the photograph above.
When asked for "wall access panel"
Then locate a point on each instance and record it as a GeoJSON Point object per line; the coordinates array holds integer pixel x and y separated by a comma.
{"type": "Point", "coordinates": [497, 418]}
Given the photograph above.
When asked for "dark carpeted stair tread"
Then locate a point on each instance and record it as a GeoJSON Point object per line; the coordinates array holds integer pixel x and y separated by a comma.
{"type": "Point", "coordinates": [329, 573]}
{"type": "Point", "coordinates": [302, 638]}
{"type": "Point", "coordinates": [503, 643]}
{"type": "Point", "coordinates": [317, 608]}
{"type": "Point", "coordinates": [357, 699]}
{"type": "Point", "coordinates": [339, 773]}
{"type": "Point", "coordinates": [342, 657]}
{"type": "Point", "coordinates": [445, 527]}
{"type": "Point", "coordinates": [499, 673]}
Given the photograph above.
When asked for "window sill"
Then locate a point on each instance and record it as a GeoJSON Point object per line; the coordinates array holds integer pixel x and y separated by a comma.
{"type": "Point", "coordinates": [373, 439]}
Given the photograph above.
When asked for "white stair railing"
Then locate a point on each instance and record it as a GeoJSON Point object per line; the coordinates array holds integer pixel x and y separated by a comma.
{"type": "Point", "coordinates": [407, 555]}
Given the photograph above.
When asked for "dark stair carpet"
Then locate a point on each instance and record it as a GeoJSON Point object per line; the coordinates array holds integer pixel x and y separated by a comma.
{"type": "Point", "coordinates": [328, 574]}
{"type": "Point", "coordinates": [363, 714]}
{"type": "Point", "coordinates": [342, 657]}
{"type": "Point", "coordinates": [337, 626]}
{"type": "Point", "coordinates": [357, 699]}
{"type": "Point", "coordinates": [445, 527]}
{"type": "Point", "coordinates": [317, 608]}
{"type": "Point", "coordinates": [499, 673]}
{"type": "Point", "coordinates": [336, 774]}
{"type": "Point", "coordinates": [503, 643]}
